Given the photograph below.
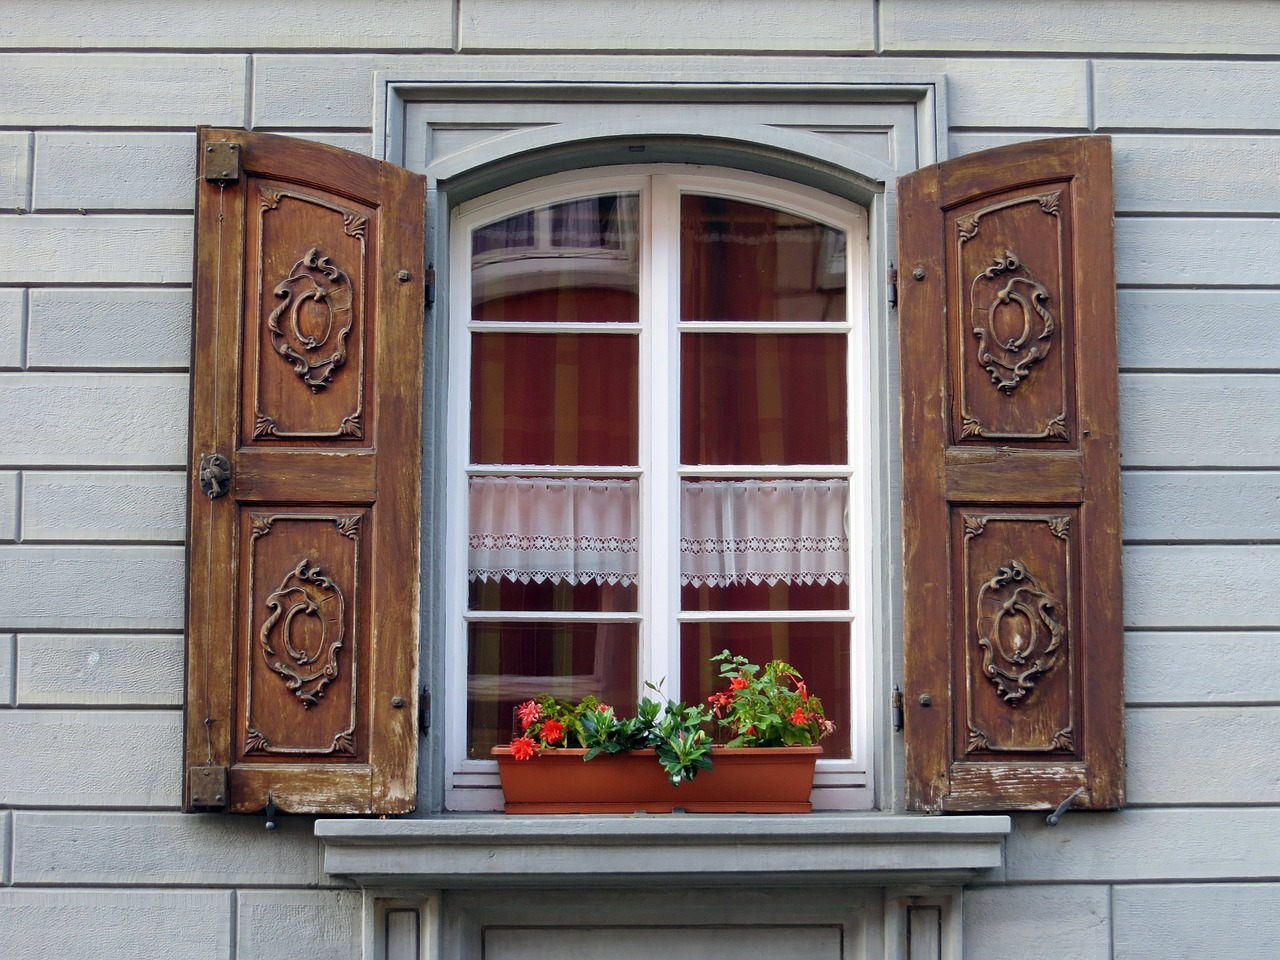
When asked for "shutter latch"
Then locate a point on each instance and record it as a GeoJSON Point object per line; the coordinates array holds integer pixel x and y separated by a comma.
{"type": "Point", "coordinates": [221, 161]}
{"type": "Point", "coordinates": [208, 787]}
{"type": "Point", "coordinates": [215, 475]}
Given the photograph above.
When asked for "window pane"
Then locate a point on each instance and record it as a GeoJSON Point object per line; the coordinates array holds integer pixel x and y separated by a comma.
{"type": "Point", "coordinates": [573, 262]}
{"type": "Point", "coordinates": [741, 261]}
{"type": "Point", "coordinates": [558, 399]}
{"type": "Point", "coordinates": [762, 398]}
{"type": "Point", "coordinates": [819, 651]}
{"type": "Point", "coordinates": [553, 543]}
{"type": "Point", "coordinates": [511, 662]}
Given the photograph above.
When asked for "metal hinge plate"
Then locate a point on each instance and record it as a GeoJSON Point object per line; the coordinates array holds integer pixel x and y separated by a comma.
{"type": "Point", "coordinates": [221, 161]}
{"type": "Point", "coordinates": [891, 280]}
{"type": "Point", "coordinates": [208, 787]}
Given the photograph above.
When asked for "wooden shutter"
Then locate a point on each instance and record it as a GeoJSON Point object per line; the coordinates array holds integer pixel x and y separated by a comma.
{"type": "Point", "coordinates": [302, 605]}
{"type": "Point", "coordinates": [1011, 492]}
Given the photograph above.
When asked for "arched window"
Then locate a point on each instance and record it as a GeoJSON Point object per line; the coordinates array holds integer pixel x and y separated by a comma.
{"type": "Point", "coordinates": [658, 449]}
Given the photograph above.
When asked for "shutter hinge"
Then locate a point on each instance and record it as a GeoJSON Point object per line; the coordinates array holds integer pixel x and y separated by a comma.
{"type": "Point", "coordinates": [221, 161]}
{"type": "Point", "coordinates": [424, 710]}
{"type": "Point", "coordinates": [429, 289]}
{"type": "Point", "coordinates": [891, 279]}
{"type": "Point", "coordinates": [208, 787]}
{"type": "Point", "coordinates": [895, 705]}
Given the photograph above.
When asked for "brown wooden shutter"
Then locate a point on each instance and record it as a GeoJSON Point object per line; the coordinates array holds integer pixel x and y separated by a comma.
{"type": "Point", "coordinates": [302, 606]}
{"type": "Point", "coordinates": [1011, 489]}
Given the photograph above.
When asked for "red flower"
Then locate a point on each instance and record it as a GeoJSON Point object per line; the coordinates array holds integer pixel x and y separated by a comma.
{"type": "Point", "coordinates": [720, 701]}
{"type": "Point", "coordinates": [552, 731]}
{"type": "Point", "coordinates": [738, 683]}
{"type": "Point", "coordinates": [798, 717]}
{"type": "Point", "coordinates": [530, 712]}
{"type": "Point", "coordinates": [522, 748]}
{"type": "Point", "coordinates": [804, 691]}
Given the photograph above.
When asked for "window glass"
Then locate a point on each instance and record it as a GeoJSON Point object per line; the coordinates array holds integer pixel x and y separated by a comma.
{"type": "Point", "coordinates": [626, 488]}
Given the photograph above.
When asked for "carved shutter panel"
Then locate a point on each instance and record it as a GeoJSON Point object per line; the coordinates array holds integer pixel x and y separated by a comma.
{"type": "Point", "coordinates": [302, 609]}
{"type": "Point", "coordinates": [1011, 489]}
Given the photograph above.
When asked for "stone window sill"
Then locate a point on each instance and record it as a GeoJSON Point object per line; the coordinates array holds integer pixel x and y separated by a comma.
{"type": "Point", "coordinates": [492, 850]}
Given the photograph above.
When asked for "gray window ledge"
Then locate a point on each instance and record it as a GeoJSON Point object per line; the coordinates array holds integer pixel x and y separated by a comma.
{"type": "Point", "coordinates": [474, 851]}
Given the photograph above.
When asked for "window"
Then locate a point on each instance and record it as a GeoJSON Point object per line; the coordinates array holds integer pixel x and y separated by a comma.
{"type": "Point", "coordinates": [658, 450]}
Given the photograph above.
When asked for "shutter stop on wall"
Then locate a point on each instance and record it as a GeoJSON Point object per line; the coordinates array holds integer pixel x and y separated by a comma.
{"type": "Point", "coordinates": [1055, 818]}
{"type": "Point", "coordinates": [271, 811]}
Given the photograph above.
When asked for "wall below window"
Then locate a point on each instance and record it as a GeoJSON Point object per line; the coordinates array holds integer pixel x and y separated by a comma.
{"type": "Point", "coordinates": [96, 183]}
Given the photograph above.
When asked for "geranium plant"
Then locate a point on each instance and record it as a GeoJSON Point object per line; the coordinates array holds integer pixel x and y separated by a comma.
{"type": "Point", "coordinates": [674, 731]}
{"type": "Point", "coordinates": [760, 707]}
{"type": "Point", "coordinates": [767, 707]}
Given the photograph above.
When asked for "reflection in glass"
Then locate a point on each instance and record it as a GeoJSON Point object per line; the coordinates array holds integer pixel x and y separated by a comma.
{"type": "Point", "coordinates": [766, 399]}
{"type": "Point", "coordinates": [509, 663]}
{"type": "Point", "coordinates": [819, 651]}
{"type": "Point", "coordinates": [558, 399]}
{"type": "Point", "coordinates": [576, 261]}
{"type": "Point", "coordinates": [741, 261]}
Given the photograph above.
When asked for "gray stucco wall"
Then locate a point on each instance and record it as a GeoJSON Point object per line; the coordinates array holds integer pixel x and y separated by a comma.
{"type": "Point", "coordinates": [97, 104]}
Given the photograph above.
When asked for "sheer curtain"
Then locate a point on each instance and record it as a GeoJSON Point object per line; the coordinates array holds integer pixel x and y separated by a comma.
{"type": "Point", "coordinates": [578, 530]}
{"type": "Point", "coordinates": [763, 531]}
{"type": "Point", "coordinates": [570, 530]}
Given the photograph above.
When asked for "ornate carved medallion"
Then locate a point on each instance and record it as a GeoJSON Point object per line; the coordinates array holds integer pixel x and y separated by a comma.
{"type": "Point", "coordinates": [306, 668]}
{"type": "Point", "coordinates": [309, 328]}
{"type": "Point", "coordinates": [1018, 631]}
{"type": "Point", "coordinates": [1007, 349]}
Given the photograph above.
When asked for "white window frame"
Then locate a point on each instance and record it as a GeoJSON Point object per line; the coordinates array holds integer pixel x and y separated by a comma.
{"type": "Point", "coordinates": [840, 784]}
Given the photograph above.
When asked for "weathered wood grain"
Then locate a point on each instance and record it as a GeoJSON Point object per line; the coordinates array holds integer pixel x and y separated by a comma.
{"type": "Point", "coordinates": [121, 90]}
{"type": "Point", "coordinates": [99, 670]}
{"type": "Point", "coordinates": [317, 924]}
{"type": "Point", "coordinates": [1193, 95]}
{"type": "Point", "coordinates": [103, 505]}
{"type": "Point", "coordinates": [1203, 755]}
{"type": "Point", "coordinates": [1248, 27]}
{"type": "Point", "coordinates": [158, 849]}
{"type": "Point", "coordinates": [94, 419]}
{"type": "Point", "coordinates": [1209, 587]}
{"type": "Point", "coordinates": [1210, 667]}
{"type": "Point", "coordinates": [1196, 920]}
{"type": "Point", "coordinates": [84, 328]}
{"type": "Point", "coordinates": [666, 25]}
{"type": "Point", "coordinates": [8, 505]}
{"type": "Point", "coordinates": [1157, 251]}
{"type": "Point", "coordinates": [71, 249]}
{"type": "Point", "coordinates": [996, 922]}
{"type": "Point", "coordinates": [1199, 420]}
{"type": "Point", "coordinates": [12, 322]}
{"type": "Point", "coordinates": [90, 758]}
{"type": "Point", "coordinates": [143, 24]}
{"type": "Point", "coordinates": [121, 924]}
{"type": "Point", "coordinates": [1129, 845]}
{"type": "Point", "coordinates": [67, 587]}
{"type": "Point", "coordinates": [1193, 505]}
{"type": "Point", "coordinates": [15, 171]}
{"type": "Point", "coordinates": [1173, 329]}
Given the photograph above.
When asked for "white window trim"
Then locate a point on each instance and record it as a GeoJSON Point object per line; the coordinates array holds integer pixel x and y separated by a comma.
{"type": "Point", "coordinates": [472, 785]}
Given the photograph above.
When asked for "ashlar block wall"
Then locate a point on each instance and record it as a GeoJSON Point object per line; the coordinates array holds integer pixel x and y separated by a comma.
{"type": "Point", "coordinates": [97, 107]}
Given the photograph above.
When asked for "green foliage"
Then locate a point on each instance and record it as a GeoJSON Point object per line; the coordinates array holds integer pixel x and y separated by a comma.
{"type": "Point", "coordinates": [769, 707]}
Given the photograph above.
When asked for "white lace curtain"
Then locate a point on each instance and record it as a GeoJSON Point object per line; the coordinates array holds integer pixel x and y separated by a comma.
{"type": "Point", "coordinates": [585, 531]}
{"type": "Point", "coordinates": [763, 531]}
{"type": "Point", "coordinates": [573, 530]}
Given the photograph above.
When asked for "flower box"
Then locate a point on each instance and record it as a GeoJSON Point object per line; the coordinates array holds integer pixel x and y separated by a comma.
{"type": "Point", "coordinates": [742, 780]}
